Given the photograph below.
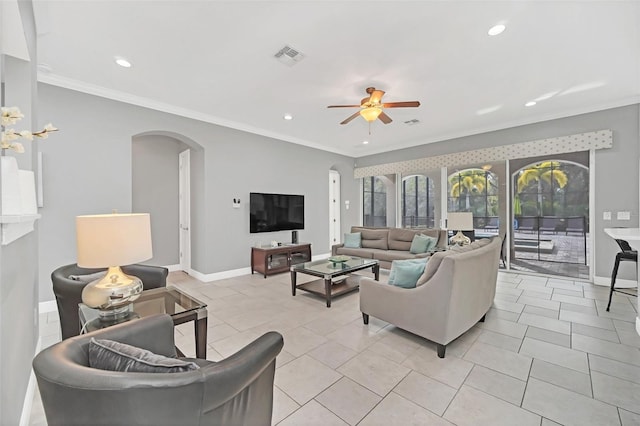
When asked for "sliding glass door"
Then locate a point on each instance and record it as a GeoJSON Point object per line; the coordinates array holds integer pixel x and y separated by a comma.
{"type": "Point", "coordinates": [550, 199]}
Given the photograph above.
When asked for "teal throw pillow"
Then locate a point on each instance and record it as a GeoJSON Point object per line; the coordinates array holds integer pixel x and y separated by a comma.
{"type": "Point", "coordinates": [433, 242]}
{"type": "Point", "coordinates": [353, 240]}
{"type": "Point", "coordinates": [405, 273]}
{"type": "Point", "coordinates": [420, 244]}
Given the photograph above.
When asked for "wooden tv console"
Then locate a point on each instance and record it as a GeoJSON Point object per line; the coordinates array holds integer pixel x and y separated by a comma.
{"type": "Point", "coordinates": [273, 260]}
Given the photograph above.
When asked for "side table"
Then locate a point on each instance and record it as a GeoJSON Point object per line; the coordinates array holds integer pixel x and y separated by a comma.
{"type": "Point", "coordinates": [165, 300]}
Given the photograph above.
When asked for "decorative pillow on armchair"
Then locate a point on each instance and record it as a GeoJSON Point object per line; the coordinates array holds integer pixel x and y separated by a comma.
{"type": "Point", "coordinates": [405, 273]}
{"type": "Point", "coordinates": [115, 356]}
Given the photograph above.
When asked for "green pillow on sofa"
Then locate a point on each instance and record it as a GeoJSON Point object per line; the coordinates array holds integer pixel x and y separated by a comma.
{"type": "Point", "coordinates": [422, 243]}
{"type": "Point", "coordinates": [353, 240]}
{"type": "Point", "coordinates": [405, 273]}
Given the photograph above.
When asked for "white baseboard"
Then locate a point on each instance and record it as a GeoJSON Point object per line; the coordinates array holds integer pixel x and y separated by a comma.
{"type": "Point", "coordinates": [321, 256]}
{"type": "Point", "coordinates": [236, 272]}
{"type": "Point", "coordinates": [173, 268]}
{"type": "Point", "coordinates": [620, 283]}
{"type": "Point", "coordinates": [27, 405]}
{"type": "Point", "coordinates": [219, 275]}
{"type": "Point", "coordinates": [47, 306]}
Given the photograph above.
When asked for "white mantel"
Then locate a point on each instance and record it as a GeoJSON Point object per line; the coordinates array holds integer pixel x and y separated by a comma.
{"type": "Point", "coordinates": [18, 210]}
{"type": "Point", "coordinates": [632, 236]}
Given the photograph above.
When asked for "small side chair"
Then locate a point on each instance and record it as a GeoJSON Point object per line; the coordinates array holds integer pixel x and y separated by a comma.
{"type": "Point", "coordinates": [68, 292]}
{"type": "Point", "coordinates": [626, 253]}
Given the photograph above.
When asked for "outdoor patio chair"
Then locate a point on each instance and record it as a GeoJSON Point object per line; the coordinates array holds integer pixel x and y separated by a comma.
{"type": "Point", "coordinates": [576, 224]}
{"type": "Point", "coordinates": [626, 254]}
{"type": "Point", "coordinates": [549, 224]}
{"type": "Point", "coordinates": [528, 223]}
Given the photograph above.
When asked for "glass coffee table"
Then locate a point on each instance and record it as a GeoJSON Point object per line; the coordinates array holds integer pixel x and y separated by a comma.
{"type": "Point", "coordinates": [164, 300]}
{"type": "Point", "coordinates": [328, 271]}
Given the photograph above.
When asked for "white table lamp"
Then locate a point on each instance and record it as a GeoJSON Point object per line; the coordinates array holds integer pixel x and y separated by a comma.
{"type": "Point", "coordinates": [460, 221]}
{"type": "Point", "coordinates": [109, 241]}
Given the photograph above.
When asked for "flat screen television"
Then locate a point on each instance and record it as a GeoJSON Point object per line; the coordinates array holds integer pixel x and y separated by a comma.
{"type": "Point", "coordinates": [275, 212]}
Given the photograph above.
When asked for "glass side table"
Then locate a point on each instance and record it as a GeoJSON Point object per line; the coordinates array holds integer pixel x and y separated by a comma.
{"type": "Point", "coordinates": [165, 300]}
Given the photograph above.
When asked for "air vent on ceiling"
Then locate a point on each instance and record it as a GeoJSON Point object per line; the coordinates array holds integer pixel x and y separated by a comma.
{"type": "Point", "coordinates": [289, 56]}
{"type": "Point", "coordinates": [412, 122]}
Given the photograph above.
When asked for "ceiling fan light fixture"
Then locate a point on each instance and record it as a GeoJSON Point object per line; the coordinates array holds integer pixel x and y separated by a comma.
{"type": "Point", "coordinates": [371, 113]}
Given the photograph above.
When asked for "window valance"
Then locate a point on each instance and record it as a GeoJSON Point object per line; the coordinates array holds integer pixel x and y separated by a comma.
{"type": "Point", "coordinates": [573, 143]}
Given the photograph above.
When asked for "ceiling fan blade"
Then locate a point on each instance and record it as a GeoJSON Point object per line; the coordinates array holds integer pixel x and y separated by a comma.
{"type": "Point", "coordinates": [351, 117]}
{"type": "Point", "coordinates": [376, 96]}
{"type": "Point", "coordinates": [401, 104]}
{"type": "Point", "coordinates": [385, 118]}
{"type": "Point", "coordinates": [343, 106]}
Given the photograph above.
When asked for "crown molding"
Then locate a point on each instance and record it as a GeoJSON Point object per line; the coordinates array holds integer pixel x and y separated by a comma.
{"type": "Point", "coordinates": [509, 124]}
{"type": "Point", "coordinates": [73, 84]}
{"type": "Point", "coordinates": [103, 92]}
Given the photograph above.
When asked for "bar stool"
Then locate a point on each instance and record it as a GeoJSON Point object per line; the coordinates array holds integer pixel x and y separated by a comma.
{"type": "Point", "coordinates": [626, 254]}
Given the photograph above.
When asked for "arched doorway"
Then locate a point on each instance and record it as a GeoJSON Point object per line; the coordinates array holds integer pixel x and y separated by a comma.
{"type": "Point", "coordinates": [158, 187]}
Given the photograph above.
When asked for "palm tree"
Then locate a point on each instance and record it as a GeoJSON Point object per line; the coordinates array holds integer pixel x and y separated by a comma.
{"type": "Point", "coordinates": [547, 171]}
{"type": "Point", "coordinates": [466, 183]}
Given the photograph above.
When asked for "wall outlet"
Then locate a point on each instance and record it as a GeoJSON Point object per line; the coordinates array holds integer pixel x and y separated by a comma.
{"type": "Point", "coordinates": [624, 215]}
{"type": "Point", "coordinates": [606, 216]}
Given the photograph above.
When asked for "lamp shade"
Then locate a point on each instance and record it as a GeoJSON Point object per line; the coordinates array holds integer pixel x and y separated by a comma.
{"type": "Point", "coordinates": [113, 239]}
{"type": "Point", "coordinates": [460, 221]}
{"type": "Point", "coordinates": [371, 113]}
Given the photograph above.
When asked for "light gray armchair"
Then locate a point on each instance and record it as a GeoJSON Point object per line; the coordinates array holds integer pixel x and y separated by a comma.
{"type": "Point", "coordinates": [454, 293]}
{"type": "Point", "coordinates": [235, 391]}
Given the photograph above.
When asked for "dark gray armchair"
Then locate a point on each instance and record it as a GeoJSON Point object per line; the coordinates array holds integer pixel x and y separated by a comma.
{"type": "Point", "coordinates": [235, 391]}
{"type": "Point", "coordinates": [68, 292]}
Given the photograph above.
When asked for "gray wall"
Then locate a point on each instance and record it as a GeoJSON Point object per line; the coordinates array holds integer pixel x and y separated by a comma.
{"type": "Point", "coordinates": [155, 176]}
{"type": "Point", "coordinates": [19, 259]}
{"type": "Point", "coordinates": [87, 170]}
{"type": "Point", "coordinates": [616, 169]}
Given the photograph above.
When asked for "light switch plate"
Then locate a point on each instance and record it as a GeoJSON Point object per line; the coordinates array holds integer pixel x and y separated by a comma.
{"type": "Point", "coordinates": [624, 215]}
{"type": "Point", "coordinates": [606, 216]}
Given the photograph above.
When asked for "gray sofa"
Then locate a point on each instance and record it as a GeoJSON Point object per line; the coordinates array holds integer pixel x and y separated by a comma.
{"type": "Point", "coordinates": [389, 244]}
{"type": "Point", "coordinates": [454, 293]}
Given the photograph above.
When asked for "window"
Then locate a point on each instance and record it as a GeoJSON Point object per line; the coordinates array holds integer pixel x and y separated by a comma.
{"type": "Point", "coordinates": [418, 202]}
{"type": "Point", "coordinates": [476, 191]}
{"type": "Point", "coordinates": [375, 202]}
{"type": "Point", "coordinates": [552, 188]}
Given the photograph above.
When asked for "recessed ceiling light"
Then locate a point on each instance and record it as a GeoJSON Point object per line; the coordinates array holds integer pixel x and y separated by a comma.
{"type": "Point", "coordinates": [496, 29]}
{"type": "Point", "coordinates": [365, 142]}
{"type": "Point", "coordinates": [531, 103]}
{"type": "Point", "coordinates": [288, 117]}
{"type": "Point", "coordinates": [123, 62]}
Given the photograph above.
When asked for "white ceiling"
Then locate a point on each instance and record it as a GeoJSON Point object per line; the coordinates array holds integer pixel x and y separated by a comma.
{"type": "Point", "coordinates": [214, 60]}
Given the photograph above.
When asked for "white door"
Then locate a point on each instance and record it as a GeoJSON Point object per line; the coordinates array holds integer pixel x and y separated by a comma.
{"type": "Point", "coordinates": [334, 208]}
{"type": "Point", "coordinates": [185, 210]}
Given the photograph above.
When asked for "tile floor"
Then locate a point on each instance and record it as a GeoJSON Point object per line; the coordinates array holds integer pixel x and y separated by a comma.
{"type": "Point", "coordinates": [547, 354]}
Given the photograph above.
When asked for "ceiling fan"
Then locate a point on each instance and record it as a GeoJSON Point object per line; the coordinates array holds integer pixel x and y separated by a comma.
{"type": "Point", "coordinates": [371, 107]}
